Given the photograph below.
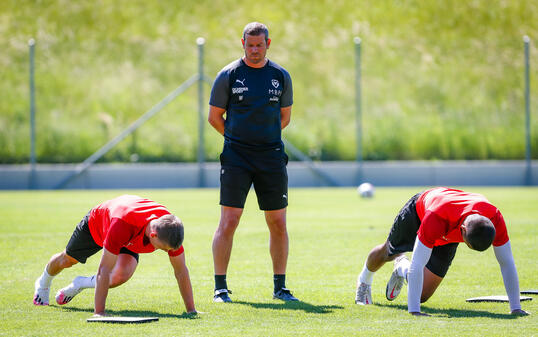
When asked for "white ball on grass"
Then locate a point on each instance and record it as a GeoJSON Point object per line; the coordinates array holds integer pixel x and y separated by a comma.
{"type": "Point", "coordinates": [366, 190]}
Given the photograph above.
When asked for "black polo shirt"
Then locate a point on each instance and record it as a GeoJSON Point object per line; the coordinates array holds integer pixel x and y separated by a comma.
{"type": "Point", "coordinates": [252, 98]}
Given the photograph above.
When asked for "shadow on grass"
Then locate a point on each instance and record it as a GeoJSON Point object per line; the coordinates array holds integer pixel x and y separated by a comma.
{"type": "Point", "coordinates": [450, 313]}
{"type": "Point", "coordinates": [304, 306]}
{"type": "Point", "coordinates": [130, 313]}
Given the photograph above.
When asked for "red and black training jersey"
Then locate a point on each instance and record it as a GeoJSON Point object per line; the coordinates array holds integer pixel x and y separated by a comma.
{"type": "Point", "coordinates": [442, 211]}
{"type": "Point", "coordinates": [122, 221]}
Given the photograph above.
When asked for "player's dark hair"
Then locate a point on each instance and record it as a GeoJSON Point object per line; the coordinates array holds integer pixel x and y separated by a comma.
{"type": "Point", "coordinates": [170, 230]}
{"type": "Point", "coordinates": [480, 232]}
{"type": "Point", "coordinates": [255, 29]}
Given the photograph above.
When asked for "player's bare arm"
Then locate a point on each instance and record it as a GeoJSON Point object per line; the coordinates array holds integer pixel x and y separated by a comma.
{"type": "Point", "coordinates": [285, 116]}
{"type": "Point", "coordinates": [216, 118]}
{"type": "Point", "coordinates": [108, 261]}
{"type": "Point", "coordinates": [181, 272]}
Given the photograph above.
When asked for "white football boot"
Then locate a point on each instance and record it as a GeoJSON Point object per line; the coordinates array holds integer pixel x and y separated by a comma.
{"type": "Point", "coordinates": [41, 294]}
{"type": "Point", "coordinates": [364, 294]}
{"type": "Point", "coordinates": [65, 295]}
{"type": "Point", "coordinates": [396, 281]}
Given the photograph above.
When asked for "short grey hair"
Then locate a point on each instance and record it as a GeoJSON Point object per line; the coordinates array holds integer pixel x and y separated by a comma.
{"type": "Point", "coordinates": [255, 29]}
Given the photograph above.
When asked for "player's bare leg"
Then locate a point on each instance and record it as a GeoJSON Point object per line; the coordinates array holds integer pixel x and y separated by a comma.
{"type": "Point", "coordinates": [122, 272]}
{"type": "Point", "coordinates": [278, 239]}
{"type": "Point", "coordinates": [222, 249]}
{"type": "Point", "coordinates": [431, 282]}
{"type": "Point", "coordinates": [57, 263]}
{"type": "Point", "coordinates": [223, 238]}
{"type": "Point", "coordinates": [378, 256]}
{"type": "Point", "coordinates": [279, 248]}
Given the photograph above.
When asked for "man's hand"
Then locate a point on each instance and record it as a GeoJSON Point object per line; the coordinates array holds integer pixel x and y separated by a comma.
{"type": "Point", "coordinates": [519, 312]}
{"type": "Point", "coordinates": [195, 313]}
{"type": "Point", "coordinates": [419, 314]}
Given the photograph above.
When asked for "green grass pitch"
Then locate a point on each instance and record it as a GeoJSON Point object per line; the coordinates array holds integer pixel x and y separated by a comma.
{"type": "Point", "coordinates": [331, 231]}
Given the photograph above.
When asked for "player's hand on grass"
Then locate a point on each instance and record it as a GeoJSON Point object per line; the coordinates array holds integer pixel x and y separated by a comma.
{"type": "Point", "coordinates": [519, 312]}
{"type": "Point", "coordinates": [195, 312]}
{"type": "Point", "coordinates": [417, 313]}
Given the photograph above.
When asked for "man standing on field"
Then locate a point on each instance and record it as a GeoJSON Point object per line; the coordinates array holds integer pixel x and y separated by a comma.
{"type": "Point", "coordinates": [124, 226]}
{"type": "Point", "coordinates": [256, 96]}
{"type": "Point", "coordinates": [431, 225]}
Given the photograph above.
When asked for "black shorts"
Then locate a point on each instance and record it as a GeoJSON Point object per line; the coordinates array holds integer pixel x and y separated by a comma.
{"type": "Point", "coordinates": [403, 234]}
{"type": "Point", "coordinates": [82, 245]}
{"type": "Point", "coordinates": [265, 169]}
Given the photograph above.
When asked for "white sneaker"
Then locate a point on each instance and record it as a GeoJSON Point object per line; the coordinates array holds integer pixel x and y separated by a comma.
{"type": "Point", "coordinates": [394, 286]}
{"type": "Point", "coordinates": [41, 295]}
{"type": "Point", "coordinates": [364, 294]}
{"type": "Point", "coordinates": [221, 296]}
{"type": "Point", "coordinates": [65, 295]}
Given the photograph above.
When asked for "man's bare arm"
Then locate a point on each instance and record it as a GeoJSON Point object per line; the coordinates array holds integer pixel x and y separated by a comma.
{"type": "Point", "coordinates": [181, 272]}
{"type": "Point", "coordinates": [108, 261]}
{"type": "Point", "coordinates": [216, 118]}
{"type": "Point", "coordinates": [285, 116]}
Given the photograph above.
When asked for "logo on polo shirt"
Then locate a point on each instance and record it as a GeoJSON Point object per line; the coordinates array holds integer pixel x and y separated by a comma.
{"type": "Point", "coordinates": [240, 90]}
{"type": "Point", "coordinates": [275, 91]}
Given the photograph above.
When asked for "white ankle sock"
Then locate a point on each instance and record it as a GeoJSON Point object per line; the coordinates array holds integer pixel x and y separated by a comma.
{"type": "Point", "coordinates": [366, 276]}
{"type": "Point", "coordinates": [87, 282]}
{"type": "Point", "coordinates": [45, 280]}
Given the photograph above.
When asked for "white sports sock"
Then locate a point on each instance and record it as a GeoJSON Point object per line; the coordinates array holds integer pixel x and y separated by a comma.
{"type": "Point", "coordinates": [366, 276]}
{"type": "Point", "coordinates": [403, 267]}
{"type": "Point", "coordinates": [45, 280]}
{"type": "Point", "coordinates": [87, 282]}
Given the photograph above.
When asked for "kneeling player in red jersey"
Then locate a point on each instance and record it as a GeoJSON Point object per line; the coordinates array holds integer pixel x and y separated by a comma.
{"type": "Point", "coordinates": [431, 224]}
{"type": "Point", "coordinates": [124, 226]}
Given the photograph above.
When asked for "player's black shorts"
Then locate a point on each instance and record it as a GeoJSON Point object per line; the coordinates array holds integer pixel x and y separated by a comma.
{"type": "Point", "coordinates": [403, 234]}
{"type": "Point", "coordinates": [265, 169]}
{"type": "Point", "coordinates": [82, 245]}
